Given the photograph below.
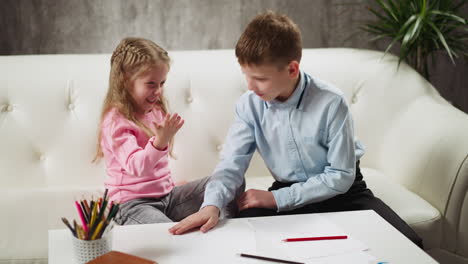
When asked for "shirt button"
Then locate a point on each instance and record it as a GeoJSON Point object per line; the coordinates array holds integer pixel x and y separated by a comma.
{"type": "Point", "coordinates": [219, 147]}
{"type": "Point", "coordinates": [71, 107]}
{"type": "Point", "coordinates": [189, 99]}
{"type": "Point", "coordinates": [9, 108]}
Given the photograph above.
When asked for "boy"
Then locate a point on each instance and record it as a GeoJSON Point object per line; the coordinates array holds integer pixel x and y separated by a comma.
{"type": "Point", "coordinates": [301, 127]}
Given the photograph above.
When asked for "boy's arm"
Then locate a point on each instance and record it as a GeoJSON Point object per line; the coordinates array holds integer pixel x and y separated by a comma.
{"type": "Point", "coordinates": [338, 175]}
{"type": "Point", "coordinates": [228, 176]}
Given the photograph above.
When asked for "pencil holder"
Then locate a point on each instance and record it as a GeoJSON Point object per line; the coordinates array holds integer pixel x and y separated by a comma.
{"type": "Point", "coordinates": [87, 250]}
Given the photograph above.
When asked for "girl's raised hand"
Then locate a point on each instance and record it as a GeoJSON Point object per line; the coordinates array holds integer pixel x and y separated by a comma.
{"type": "Point", "coordinates": [165, 130]}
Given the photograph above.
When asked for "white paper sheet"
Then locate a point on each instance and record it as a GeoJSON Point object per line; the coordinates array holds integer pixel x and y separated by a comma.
{"type": "Point", "coordinates": [269, 233]}
{"type": "Point", "coordinates": [358, 257]}
{"type": "Point", "coordinates": [228, 259]}
{"type": "Point", "coordinates": [225, 240]}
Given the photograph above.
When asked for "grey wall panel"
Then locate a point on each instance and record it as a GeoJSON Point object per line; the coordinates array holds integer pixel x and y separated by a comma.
{"type": "Point", "coordinates": [90, 26]}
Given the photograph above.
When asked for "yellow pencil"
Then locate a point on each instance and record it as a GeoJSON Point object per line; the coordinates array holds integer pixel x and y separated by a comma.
{"type": "Point", "coordinates": [93, 215]}
{"type": "Point", "coordinates": [98, 230]}
{"type": "Point", "coordinates": [78, 232]}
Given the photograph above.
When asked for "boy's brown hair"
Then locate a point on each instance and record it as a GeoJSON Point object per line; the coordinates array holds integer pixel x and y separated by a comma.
{"type": "Point", "coordinates": [269, 38]}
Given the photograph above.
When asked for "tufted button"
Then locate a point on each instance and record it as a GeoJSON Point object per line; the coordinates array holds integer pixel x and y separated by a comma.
{"type": "Point", "coordinates": [189, 99]}
{"type": "Point", "coordinates": [9, 108]}
{"type": "Point", "coordinates": [71, 106]}
{"type": "Point", "coordinates": [219, 147]}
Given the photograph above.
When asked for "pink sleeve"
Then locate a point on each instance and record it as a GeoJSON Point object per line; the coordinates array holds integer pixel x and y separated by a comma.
{"type": "Point", "coordinates": [136, 160]}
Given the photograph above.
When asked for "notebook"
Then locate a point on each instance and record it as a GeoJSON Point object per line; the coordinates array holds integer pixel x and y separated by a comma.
{"type": "Point", "coordinates": [117, 257]}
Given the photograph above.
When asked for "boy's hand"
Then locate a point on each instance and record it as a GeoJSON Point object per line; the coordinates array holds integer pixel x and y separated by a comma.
{"type": "Point", "coordinates": [253, 198]}
{"type": "Point", "coordinates": [207, 218]}
{"type": "Point", "coordinates": [165, 130]}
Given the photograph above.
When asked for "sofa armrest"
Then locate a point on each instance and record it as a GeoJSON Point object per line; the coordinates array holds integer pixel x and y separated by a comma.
{"type": "Point", "coordinates": [426, 150]}
{"type": "Point", "coordinates": [457, 214]}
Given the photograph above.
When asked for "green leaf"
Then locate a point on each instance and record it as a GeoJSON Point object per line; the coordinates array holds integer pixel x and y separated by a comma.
{"type": "Point", "coordinates": [416, 28]}
{"type": "Point", "coordinates": [424, 8]}
{"type": "Point", "coordinates": [391, 45]}
{"type": "Point", "coordinates": [379, 37]}
{"type": "Point", "coordinates": [442, 39]}
{"type": "Point", "coordinates": [407, 24]}
{"type": "Point", "coordinates": [387, 9]}
{"type": "Point", "coordinates": [395, 9]}
{"type": "Point", "coordinates": [378, 15]}
{"type": "Point", "coordinates": [378, 28]}
{"type": "Point", "coordinates": [454, 17]}
{"type": "Point", "coordinates": [421, 27]}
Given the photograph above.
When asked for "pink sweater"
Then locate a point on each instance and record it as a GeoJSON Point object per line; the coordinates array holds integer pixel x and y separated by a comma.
{"type": "Point", "coordinates": [135, 168]}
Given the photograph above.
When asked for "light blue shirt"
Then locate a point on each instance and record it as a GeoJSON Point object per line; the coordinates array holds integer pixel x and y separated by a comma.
{"type": "Point", "coordinates": [308, 139]}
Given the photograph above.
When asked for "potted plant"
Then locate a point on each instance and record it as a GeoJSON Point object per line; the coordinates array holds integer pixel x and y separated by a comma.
{"type": "Point", "coordinates": [421, 28]}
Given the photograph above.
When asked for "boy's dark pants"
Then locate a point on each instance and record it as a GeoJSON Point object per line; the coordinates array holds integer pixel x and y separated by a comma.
{"type": "Point", "coordinates": [358, 197]}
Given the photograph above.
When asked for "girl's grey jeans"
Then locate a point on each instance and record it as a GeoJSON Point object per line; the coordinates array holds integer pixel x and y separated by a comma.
{"type": "Point", "coordinates": [181, 202]}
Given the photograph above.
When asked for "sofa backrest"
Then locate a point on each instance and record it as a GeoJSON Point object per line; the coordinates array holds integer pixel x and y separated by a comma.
{"type": "Point", "coordinates": [50, 106]}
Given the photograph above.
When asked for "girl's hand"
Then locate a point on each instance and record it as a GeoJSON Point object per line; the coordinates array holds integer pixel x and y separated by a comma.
{"type": "Point", "coordinates": [165, 130]}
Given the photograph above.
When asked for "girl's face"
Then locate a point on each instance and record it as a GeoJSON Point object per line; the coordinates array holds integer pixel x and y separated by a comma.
{"type": "Point", "coordinates": [147, 88]}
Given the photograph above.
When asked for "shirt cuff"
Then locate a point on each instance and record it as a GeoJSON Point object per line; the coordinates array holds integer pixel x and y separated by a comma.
{"type": "Point", "coordinates": [283, 199]}
{"type": "Point", "coordinates": [213, 200]}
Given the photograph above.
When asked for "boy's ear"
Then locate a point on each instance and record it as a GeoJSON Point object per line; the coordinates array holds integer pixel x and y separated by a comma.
{"type": "Point", "coordinates": [293, 69]}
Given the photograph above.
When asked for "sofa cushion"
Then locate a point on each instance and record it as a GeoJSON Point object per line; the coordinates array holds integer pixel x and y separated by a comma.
{"type": "Point", "coordinates": [424, 218]}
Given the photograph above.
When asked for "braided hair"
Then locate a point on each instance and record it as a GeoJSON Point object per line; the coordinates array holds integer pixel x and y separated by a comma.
{"type": "Point", "coordinates": [131, 58]}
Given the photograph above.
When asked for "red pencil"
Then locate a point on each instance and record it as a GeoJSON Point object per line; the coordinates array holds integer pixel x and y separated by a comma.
{"type": "Point", "coordinates": [314, 238]}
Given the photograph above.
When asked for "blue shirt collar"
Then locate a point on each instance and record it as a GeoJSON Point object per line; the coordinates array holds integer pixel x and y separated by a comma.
{"type": "Point", "coordinates": [295, 100]}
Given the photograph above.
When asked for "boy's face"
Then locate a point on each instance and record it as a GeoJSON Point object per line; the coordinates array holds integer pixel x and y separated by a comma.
{"type": "Point", "coordinates": [269, 82]}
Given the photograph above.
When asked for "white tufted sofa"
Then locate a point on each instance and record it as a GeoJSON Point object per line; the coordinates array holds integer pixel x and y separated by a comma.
{"type": "Point", "coordinates": [416, 157]}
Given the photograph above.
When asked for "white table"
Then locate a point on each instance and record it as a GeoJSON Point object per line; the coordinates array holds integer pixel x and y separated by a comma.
{"type": "Point", "coordinates": [155, 242]}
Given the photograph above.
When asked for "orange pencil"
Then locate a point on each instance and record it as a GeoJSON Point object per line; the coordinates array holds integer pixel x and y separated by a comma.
{"type": "Point", "coordinates": [88, 209]}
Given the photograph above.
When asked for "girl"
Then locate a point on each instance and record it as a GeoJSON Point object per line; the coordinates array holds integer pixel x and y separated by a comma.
{"type": "Point", "coordinates": [136, 135]}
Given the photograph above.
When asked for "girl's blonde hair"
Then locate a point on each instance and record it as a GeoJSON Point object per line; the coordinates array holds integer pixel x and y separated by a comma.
{"type": "Point", "coordinates": [130, 59]}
